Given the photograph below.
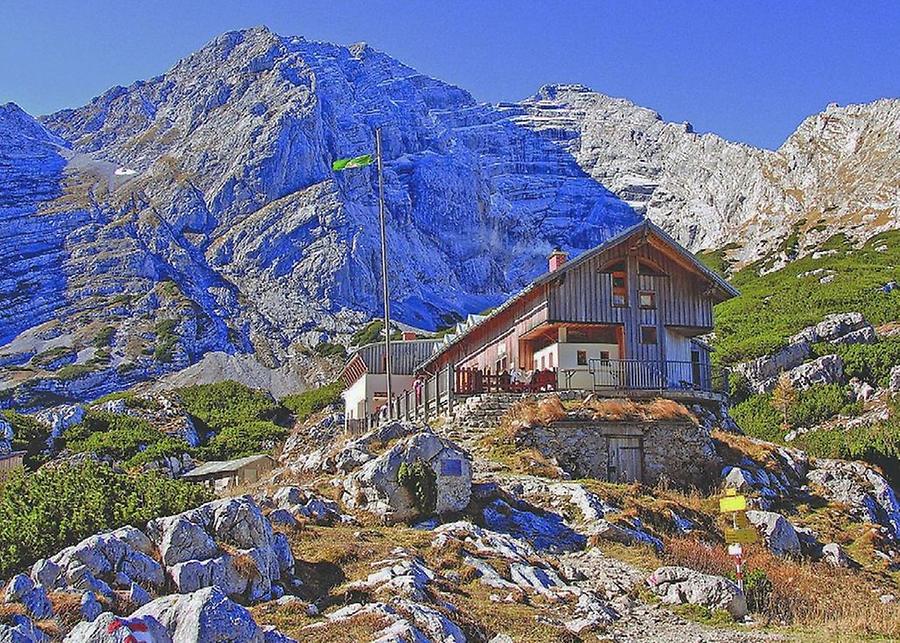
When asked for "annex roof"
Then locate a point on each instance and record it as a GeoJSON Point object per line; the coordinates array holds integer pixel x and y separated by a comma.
{"type": "Point", "coordinates": [224, 466]}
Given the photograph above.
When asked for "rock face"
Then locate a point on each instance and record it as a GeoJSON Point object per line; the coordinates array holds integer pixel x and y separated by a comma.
{"type": "Point", "coordinates": [867, 494]}
{"type": "Point", "coordinates": [758, 196]}
{"type": "Point", "coordinates": [779, 534]}
{"type": "Point", "coordinates": [841, 328]}
{"type": "Point", "coordinates": [191, 548]}
{"type": "Point", "coordinates": [199, 213]}
{"type": "Point", "coordinates": [101, 562]}
{"type": "Point", "coordinates": [762, 373]}
{"type": "Point", "coordinates": [828, 369]}
{"type": "Point", "coordinates": [376, 487]}
{"type": "Point", "coordinates": [679, 585]}
{"type": "Point", "coordinates": [205, 615]}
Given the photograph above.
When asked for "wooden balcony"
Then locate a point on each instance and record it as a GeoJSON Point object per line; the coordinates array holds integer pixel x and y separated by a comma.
{"type": "Point", "coordinates": [673, 379]}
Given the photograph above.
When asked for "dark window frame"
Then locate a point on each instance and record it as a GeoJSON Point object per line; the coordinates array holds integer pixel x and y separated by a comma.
{"type": "Point", "coordinates": [648, 332]}
{"type": "Point", "coordinates": [652, 304]}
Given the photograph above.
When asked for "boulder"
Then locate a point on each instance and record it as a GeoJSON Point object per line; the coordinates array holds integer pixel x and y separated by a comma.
{"type": "Point", "coordinates": [18, 586]}
{"type": "Point", "coordinates": [253, 559]}
{"type": "Point", "coordinates": [677, 585]}
{"type": "Point", "coordinates": [780, 536]}
{"type": "Point", "coordinates": [21, 589]}
{"type": "Point", "coordinates": [204, 616]}
{"type": "Point", "coordinates": [894, 379]}
{"type": "Point", "coordinates": [834, 555]}
{"type": "Point", "coordinates": [862, 391]}
{"type": "Point", "coordinates": [90, 607]}
{"type": "Point", "coordinates": [20, 629]}
{"type": "Point", "coordinates": [762, 372]}
{"type": "Point", "coordinates": [866, 493]}
{"type": "Point", "coordinates": [840, 328]}
{"type": "Point", "coordinates": [123, 554]}
{"type": "Point", "coordinates": [109, 628]}
{"type": "Point", "coordinates": [828, 369]}
{"type": "Point", "coordinates": [375, 486]}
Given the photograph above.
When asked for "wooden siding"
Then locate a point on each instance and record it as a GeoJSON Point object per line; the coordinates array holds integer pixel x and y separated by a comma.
{"type": "Point", "coordinates": [584, 294]}
{"type": "Point", "coordinates": [481, 346]}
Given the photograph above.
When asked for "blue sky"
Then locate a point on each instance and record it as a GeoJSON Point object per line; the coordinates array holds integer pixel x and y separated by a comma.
{"type": "Point", "coordinates": [749, 71]}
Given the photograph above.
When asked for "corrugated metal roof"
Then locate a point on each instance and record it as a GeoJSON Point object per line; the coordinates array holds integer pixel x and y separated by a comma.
{"type": "Point", "coordinates": [224, 466]}
{"type": "Point", "coordinates": [405, 356]}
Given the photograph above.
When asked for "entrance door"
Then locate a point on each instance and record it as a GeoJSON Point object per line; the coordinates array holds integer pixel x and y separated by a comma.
{"type": "Point", "coordinates": [625, 460]}
{"type": "Point", "coordinates": [695, 369]}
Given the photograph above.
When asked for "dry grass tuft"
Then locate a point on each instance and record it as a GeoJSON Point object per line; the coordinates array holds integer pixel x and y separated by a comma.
{"type": "Point", "coordinates": [614, 410]}
{"type": "Point", "coordinates": [798, 593]}
{"type": "Point", "coordinates": [662, 409]}
{"type": "Point", "coordinates": [531, 412]}
{"type": "Point", "coordinates": [621, 410]}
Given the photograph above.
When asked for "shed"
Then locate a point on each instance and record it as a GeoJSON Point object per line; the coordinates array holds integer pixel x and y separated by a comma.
{"type": "Point", "coordinates": [10, 461]}
{"type": "Point", "coordinates": [226, 473]}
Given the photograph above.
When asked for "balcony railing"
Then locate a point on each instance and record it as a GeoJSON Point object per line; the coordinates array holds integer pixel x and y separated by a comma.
{"type": "Point", "coordinates": [431, 396]}
{"type": "Point", "coordinates": [657, 375]}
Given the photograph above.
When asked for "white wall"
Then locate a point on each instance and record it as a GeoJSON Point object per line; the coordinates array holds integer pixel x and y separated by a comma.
{"type": "Point", "coordinates": [365, 388]}
{"type": "Point", "coordinates": [565, 356]}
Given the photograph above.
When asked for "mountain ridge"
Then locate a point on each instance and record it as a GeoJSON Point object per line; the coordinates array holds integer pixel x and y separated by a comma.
{"type": "Point", "coordinates": [196, 211]}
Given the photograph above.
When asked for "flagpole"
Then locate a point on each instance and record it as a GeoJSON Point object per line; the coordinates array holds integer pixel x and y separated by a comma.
{"type": "Point", "coordinates": [384, 273]}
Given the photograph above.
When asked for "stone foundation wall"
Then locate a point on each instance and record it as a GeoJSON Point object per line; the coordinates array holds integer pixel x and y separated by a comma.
{"type": "Point", "coordinates": [682, 451]}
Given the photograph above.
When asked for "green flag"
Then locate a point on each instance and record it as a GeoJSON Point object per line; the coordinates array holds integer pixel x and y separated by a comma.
{"type": "Point", "coordinates": [349, 164]}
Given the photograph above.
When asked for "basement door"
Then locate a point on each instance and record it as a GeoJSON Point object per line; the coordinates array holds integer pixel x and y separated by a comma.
{"type": "Point", "coordinates": [625, 462]}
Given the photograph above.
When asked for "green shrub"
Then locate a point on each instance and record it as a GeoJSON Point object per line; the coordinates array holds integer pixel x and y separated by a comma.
{"type": "Point", "coordinates": [757, 590]}
{"type": "Point", "coordinates": [421, 482]}
{"type": "Point", "coordinates": [373, 332]}
{"type": "Point", "coordinates": [73, 371]}
{"type": "Point", "coordinates": [46, 358]}
{"type": "Point", "coordinates": [110, 435]}
{"type": "Point", "coordinates": [774, 306]}
{"type": "Point", "coordinates": [217, 406]}
{"type": "Point", "coordinates": [758, 418]}
{"type": "Point", "coordinates": [104, 337]}
{"type": "Point", "coordinates": [327, 349]}
{"type": "Point", "coordinates": [44, 511]}
{"type": "Point", "coordinates": [869, 362]}
{"type": "Point", "coordinates": [303, 405]}
{"type": "Point", "coordinates": [819, 403]}
{"type": "Point", "coordinates": [165, 447]}
{"type": "Point", "coordinates": [246, 438]}
{"type": "Point", "coordinates": [166, 339]}
{"type": "Point", "coordinates": [29, 435]}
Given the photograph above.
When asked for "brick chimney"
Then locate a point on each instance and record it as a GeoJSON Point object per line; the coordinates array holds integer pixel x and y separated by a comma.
{"type": "Point", "coordinates": [408, 336]}
{"type": "Point", "coordinates": [556, 259]}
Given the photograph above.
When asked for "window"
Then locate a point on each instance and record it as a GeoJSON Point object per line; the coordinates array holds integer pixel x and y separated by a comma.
{"type": "Point", "coordinates": [604, 357]}
{"type": "Point", "coordinates": [648, 334]}
{"type": "Point", "coordinates": [550, 360]}
{"type": "Point", "coordinates": [648, 299]}
{"type": "Point", "coordinates": [582, 358]}
{"type": "Point", "coordinates": [619, 274]}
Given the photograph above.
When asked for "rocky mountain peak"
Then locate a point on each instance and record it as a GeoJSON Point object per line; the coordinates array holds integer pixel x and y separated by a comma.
{"type": "Point", "coordinates": [205, 196]}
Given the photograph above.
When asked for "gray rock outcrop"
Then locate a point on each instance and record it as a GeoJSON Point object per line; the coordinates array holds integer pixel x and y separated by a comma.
{"type": "Point", "coordinates": [677, 585]}
{"type": "Point", "coordinates": [778, 533]}
{"type": "Point", "coordinates": [375, 486]}
{"type": "Point", "coordinates": [191, 547]}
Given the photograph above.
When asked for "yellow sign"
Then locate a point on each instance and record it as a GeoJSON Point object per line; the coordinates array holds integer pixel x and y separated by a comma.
{"type": "Point", "coordinates": [741, 520]}
{"type": "Point", "coordinates": [732, 503]}
{"type": "Point", "coordinates": [741, 535]}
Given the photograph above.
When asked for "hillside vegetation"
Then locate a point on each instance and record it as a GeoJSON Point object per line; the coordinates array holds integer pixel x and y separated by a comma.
{"type": "Point", "coordinates": [774, 306]}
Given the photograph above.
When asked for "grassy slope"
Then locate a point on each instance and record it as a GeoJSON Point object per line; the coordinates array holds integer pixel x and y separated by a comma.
{"type": "Point", "coordinates": [774, 306]}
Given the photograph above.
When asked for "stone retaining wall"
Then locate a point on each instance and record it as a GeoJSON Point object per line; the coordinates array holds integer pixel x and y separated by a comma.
{"type": "Point", "coordinates": [682, 451]}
